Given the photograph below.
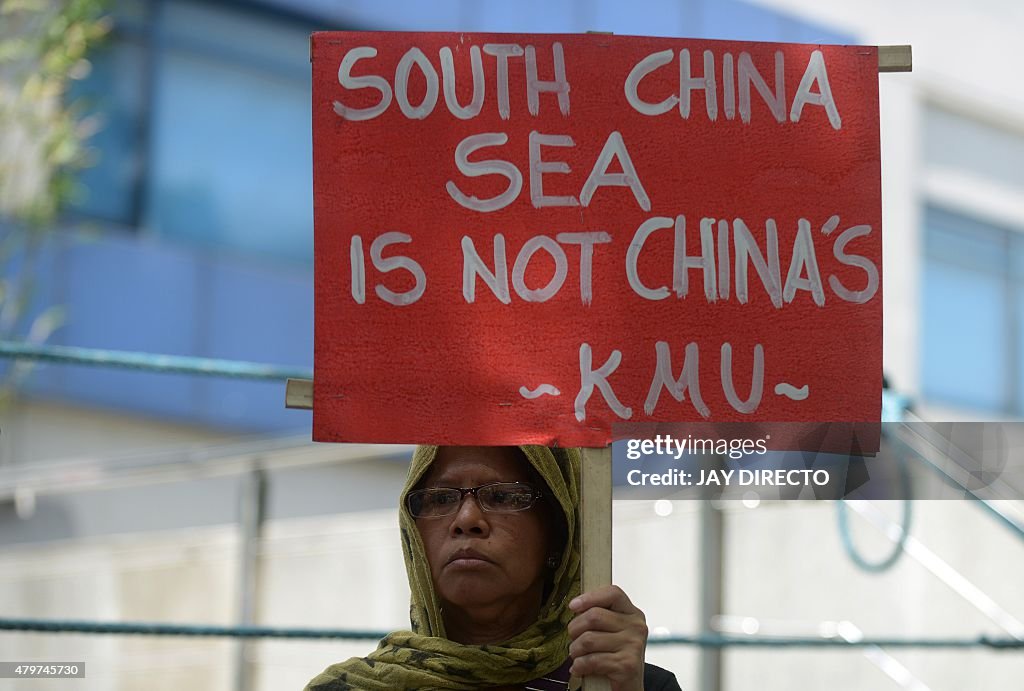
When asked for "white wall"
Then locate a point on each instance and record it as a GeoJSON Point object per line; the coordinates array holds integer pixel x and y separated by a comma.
{"type": "Point", "coordinates": [44, 431]}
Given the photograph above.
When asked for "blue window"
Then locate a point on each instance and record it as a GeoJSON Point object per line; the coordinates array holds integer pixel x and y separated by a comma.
{"type": "Point", "coordinates": [205, 136]}
{"type": "Point", "coordinates": [108, 189]}
{"type": "Point", "coordinates": [231, 147]}
{"type": "Point", "coordinates": [973, 297]}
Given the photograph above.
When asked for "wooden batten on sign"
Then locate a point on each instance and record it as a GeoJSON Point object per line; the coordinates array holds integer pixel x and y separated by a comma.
{"type": "Point", "coordinates": [298, 394]}
{"type": "Point", "coordinates": [396, 299]}
{"type": "Point", "coordinates": [895, 59]}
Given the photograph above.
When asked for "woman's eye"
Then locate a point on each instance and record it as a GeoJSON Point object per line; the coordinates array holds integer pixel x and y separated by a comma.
{"type": "Point", "coordinates": [520, 498]}
{"type": "Point", "coordinates": [511, 498]}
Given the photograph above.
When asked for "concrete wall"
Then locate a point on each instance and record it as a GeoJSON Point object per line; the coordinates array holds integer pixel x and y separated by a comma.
{"type": "Point", "coordinates": [34, 431]}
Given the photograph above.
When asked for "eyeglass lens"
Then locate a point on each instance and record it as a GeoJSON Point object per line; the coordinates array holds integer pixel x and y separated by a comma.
{"type": "Point", "coordinates": [501, 497]}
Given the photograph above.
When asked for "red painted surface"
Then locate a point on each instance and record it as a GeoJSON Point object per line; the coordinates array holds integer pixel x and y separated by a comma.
{"type": "Point", "coordinates": [445, 370]}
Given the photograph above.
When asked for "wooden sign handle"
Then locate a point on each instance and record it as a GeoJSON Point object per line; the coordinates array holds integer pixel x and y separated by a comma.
{"type": "Point", "coordinates": [596, 531]}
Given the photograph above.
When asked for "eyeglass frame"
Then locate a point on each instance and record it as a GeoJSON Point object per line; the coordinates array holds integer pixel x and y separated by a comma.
{"type": "Point", "coordinates": [463, 491]}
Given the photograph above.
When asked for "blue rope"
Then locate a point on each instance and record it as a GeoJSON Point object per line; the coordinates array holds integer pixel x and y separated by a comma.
{"type": "Point", "coordinates": [703, 640]}
{"type": "Point", "coordinates": [893, 408]}
{"type": "Point", "coordinates": [717, 641]}
{"type": "Point", "coordinates": [888, 561]}
{"type": "Point", "coordinates": [179, 364]}
{"type": "Point", "coordinates": [154, 629]}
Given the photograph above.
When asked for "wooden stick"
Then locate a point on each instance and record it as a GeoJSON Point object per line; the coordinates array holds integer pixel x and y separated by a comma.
{"type": "Point", "coordinates": [596, 531]}
{"type": "Point", "coordinates": [895, 59]}
{"type": "Point", "coordinates": [298, 394]}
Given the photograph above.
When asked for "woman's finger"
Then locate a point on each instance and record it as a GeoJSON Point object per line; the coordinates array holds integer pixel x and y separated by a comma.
{"type": "Point", "coordinates": [600, 619]}
{"type": "Point", "coordinates": [591, 642]}
{"type": "Point", "coordinates": [609, 597]}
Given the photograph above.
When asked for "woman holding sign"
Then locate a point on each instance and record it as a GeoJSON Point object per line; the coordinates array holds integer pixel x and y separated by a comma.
{"type": "Point", "coordinates": [491, 543]}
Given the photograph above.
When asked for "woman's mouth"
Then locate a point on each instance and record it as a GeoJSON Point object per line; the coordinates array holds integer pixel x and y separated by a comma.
{"type": "Point", "coordinates": [468, 558]}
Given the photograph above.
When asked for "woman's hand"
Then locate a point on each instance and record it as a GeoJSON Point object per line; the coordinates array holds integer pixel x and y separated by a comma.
{"type": "Point", "coordinates": [609, 635]}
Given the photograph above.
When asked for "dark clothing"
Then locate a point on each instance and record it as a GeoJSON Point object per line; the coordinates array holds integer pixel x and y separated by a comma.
{"type": "Point", "coordinates": [658, 679]}
{"type": "Point", "coordinates": [556, 681]}
{"type": "Point", "coordinates": [655, 679]}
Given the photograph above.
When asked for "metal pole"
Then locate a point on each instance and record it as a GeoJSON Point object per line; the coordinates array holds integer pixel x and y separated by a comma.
{"type": "Point", "coordinates": [711, 534]}
{"type": "Point", "coordinates": [252, 506]}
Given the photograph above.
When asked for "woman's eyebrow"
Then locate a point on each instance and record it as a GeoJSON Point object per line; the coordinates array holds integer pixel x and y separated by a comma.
{"type": "Point", "coordinates": [442, 480]}
{"type": "Point", "coordinates": [439, 482]}
{"type": "Point", "coordinates": [449, 481]}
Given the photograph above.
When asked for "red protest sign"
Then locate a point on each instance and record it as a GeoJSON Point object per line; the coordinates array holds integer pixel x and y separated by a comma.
{"type": "Point", "coordinates": [529, 238]}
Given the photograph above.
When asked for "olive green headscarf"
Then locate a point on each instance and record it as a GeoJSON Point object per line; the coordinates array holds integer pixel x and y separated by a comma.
{"type": "Point", "coordinates": [424, 659]}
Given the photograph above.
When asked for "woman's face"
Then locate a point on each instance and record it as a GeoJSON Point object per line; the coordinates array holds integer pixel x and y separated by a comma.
{"type": "Point", "coordinates": [485, 565]}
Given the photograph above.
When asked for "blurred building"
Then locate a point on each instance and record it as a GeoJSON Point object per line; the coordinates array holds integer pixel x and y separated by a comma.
{"type": "Point", "coordinates": [130, 496]}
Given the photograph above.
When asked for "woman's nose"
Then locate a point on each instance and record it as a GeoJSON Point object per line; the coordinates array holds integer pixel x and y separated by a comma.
{"type": "Point", "coordinates": [470, 518]}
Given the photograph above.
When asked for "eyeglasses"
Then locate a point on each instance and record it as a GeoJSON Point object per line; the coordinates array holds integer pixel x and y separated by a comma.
{"type": "Point", "coordinates": [496, 497]}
